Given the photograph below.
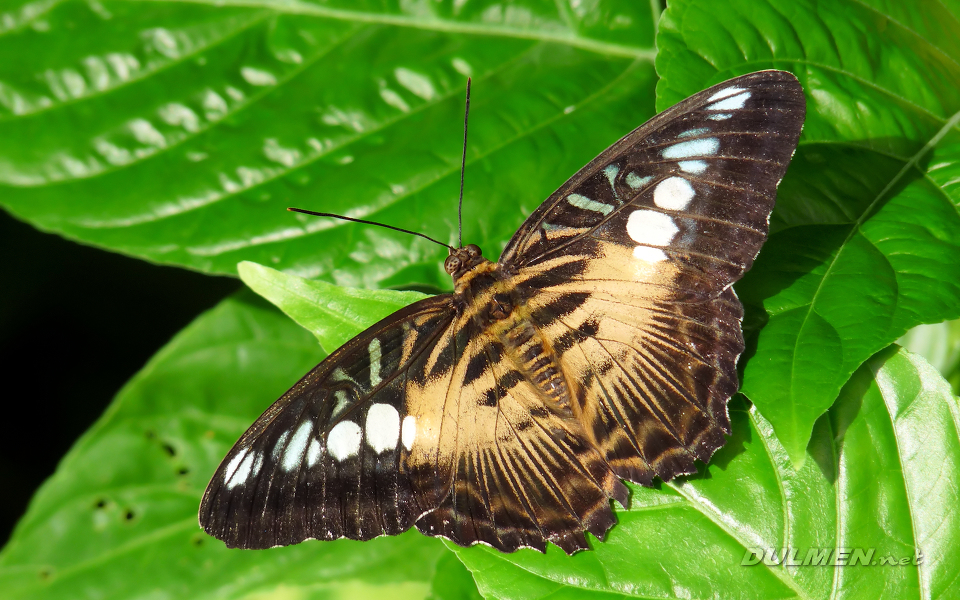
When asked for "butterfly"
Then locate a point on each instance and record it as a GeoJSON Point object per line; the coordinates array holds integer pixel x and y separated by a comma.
{"type": "Point", "coordinates": [601, 346]}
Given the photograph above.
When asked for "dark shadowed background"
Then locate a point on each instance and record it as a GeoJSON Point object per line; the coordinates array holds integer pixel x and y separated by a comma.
{"type": "Point", "coordinates": [75, 324]}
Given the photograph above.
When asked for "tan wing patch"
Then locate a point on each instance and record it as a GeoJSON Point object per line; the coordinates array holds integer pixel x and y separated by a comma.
{"type": "Point", "coordinates": [523, 472]}
{"type": "Point", "coordinates": [651, 376]}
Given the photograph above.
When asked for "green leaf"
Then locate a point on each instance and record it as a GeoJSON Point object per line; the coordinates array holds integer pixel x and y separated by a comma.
{"type": "Point", "coordinates": [180, 131]}
{"type": "Point", "coordinates": [884, 476]}
{"type": "Point", "coordinates": [119, 518]}
{"type": "Point", "coordinates": [866, 232]}
{"type": "Point", "coordinates": [881, 482]}
{"type": "Point", "coordinates": [329, 312]}
{"type": "Point", "coordinates": [939, 344]}
{"type": "Point", "coordinates": [453, 581]}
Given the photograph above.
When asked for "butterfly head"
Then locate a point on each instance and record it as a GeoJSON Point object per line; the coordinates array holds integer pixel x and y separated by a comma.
{"type": "Point", "coordinates": [463, 260]}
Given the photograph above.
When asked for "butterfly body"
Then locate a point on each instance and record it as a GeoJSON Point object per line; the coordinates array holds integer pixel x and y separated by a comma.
{"type": "Point", "coordinates": [489, 298]}
{"type": "Point", "coordinates": [601, 346]}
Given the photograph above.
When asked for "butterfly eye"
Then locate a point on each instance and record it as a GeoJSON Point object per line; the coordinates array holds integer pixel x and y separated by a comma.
{"type": "Point", "coordinates": [452, 264]}
{"type": "Point", "coordinates": [473, 250]}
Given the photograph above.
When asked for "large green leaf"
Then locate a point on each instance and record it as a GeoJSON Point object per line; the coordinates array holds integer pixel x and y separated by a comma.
{"type": "Point", "coordinates": [179, 131]}
{"type": "Point", "coordinates": [881, 483]}
{"type": "Point", "coordinates": [330, 312]}
{"type": "Point", "coordinates": [884, 476]}
{"type": "Point", "coordinates": [866, 232]}
{"type": "Point", "coordinates": [119, 518]}
{"type": "Point", "coordinates": [939, 343]}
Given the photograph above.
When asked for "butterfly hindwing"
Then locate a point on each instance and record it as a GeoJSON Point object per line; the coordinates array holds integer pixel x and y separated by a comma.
{"type": "Point", "coordinates": [524, 471]}
{"type": "Point", "coordinates": [651, 378]}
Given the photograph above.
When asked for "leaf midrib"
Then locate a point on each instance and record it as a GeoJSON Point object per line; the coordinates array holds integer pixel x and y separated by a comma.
{"type": "Point", "coordinates": [950, 124]}
{"type": "Point", "coordinates": [304, 8]}
{"type": "Point", "coordinates": [426, 183]}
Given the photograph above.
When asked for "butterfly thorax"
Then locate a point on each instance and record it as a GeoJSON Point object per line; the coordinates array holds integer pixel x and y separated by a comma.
{"type": "Point", "coordinates": [490, 299]}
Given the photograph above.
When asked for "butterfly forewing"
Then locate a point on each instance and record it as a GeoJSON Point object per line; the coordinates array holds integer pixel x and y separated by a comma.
{"type": "Point", "coordinates": [694, 186]}
{"type": "Point", "coordinates": [658, 227]}
{"type": "Point", "coordinates": [332, 457]}
{"type": "Point", "coordinates": [602, 345]}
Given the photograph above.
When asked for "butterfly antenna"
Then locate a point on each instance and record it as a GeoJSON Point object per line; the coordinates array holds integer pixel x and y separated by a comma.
{"type": "Point", "coordinates": [463, 166]}
{"type": "Point", "coordinates": [352, 220]}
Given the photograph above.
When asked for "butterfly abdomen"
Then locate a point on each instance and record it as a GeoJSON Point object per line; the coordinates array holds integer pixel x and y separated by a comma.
{"type": "Point", "coordinates": [533, 359]}
{"type": "Point", "coordinates": [499, 310]}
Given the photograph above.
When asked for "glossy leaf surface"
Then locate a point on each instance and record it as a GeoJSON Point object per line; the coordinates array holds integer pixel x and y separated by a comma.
{"type": "Point", "coordinates": [883, 475]}
{"type": "Point", "coordinates": [180, 131]}
{"type": "Point", "coordinates": [127, 494]}
{"type": "Point", "coordinates": [865, 237]}
{"type": "Point", "coordinates": [881, 481]}
{"type": "Point", "coordinates": [329, 312]}
{"type": "Point", "coordinates": [939, 343]}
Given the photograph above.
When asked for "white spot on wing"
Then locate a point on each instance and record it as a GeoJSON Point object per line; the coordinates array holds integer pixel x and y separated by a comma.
{"type": "Point", "coordinates": [648, 254]}
{"type": "Point", "coordinates": [588, 204]}
{"type": "Point", "coordinates": [701, 147]}
{"type": "Point", "coordinates": [313, 453]}
{"type": "Point", "coordinates": [340, 375]}
{"type": "Point", "coordinates": [673, 193]}
{"type": "Point", "coordinates": [726, 92]}
{"type": "Point", "coordinates": [731, 103]}
{"type": "Point", "coordinates": [693, 132]}
{"type": "Point", "coordinates": [635, 181]}
{"type": "Point", "coordinates": [651, 228]}
{"type": "Point", "coordinates": [294, 451]}
{"type": "Point", "coordinates": [693, 166]}
{"type": "Point", "coordinates": [374, 349]}
{"type": "Point", "coordinates": [720, 117]}
{"type": "Point", "coordinates": [256, 465]}
{"type": "Point", "coordinates": [278, 447]}
{"type": "Point", "coordinates": [383, 427]}
{"type": "Point", "coordinates": [233, 464]}
{"type": "Point", "coordinates": [342, 401]}
{"type": "Point", "coordinates": [611, 172]}
{"type": "Point", "coordinates": [243, 471]}
{"type": "Point", "coordinates": [343, 441]}
{"type": "Point", "coordinates": [409, 432]}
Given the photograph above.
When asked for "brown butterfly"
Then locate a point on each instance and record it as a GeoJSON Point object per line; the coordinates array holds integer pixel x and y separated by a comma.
{"type": "Point", "coordinates": [601, 346]}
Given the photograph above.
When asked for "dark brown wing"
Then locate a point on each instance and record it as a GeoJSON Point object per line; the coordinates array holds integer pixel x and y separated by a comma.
{"type": "Point", "coordinates": [524, 472]}
{"type": "Point", "coordinates": [415, 421]}
{"type": "Point", "coordinates": [706, 169]}
{"type": "Point", "coordinates": [332, 457]}
{"type": "Point", "coordinates": [648, 239]}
